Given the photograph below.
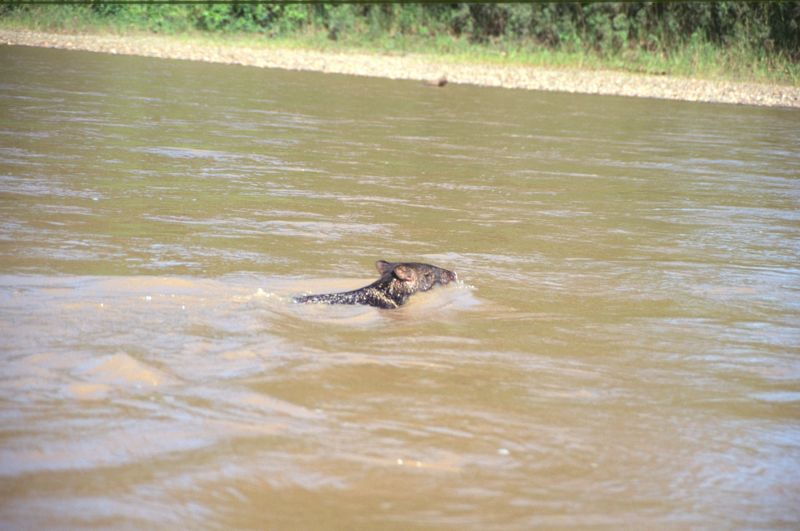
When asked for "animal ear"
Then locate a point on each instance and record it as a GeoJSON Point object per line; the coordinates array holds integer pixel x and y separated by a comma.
{"type": "Point", "coordinates": [383, 266]}
{"type": "Point", "coordinates": [404, 273]}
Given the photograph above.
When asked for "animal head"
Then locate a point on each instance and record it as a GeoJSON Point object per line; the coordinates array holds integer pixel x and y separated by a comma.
{"type": "Point", "coordinates": [413, 277]}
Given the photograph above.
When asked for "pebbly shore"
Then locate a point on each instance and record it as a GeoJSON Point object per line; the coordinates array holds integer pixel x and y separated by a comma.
{"type": "Point", "coordinates": [418, 67]}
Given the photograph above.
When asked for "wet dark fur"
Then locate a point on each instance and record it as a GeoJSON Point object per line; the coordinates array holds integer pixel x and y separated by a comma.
{"type": "Point", "coordinates": [398, 282]}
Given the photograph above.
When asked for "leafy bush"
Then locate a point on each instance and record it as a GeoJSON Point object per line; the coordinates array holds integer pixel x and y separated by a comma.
{"type": "Point", "coordinates": [767, 32]}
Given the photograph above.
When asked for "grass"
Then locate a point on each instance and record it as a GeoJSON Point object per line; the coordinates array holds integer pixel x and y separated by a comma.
{"type": "Point", "coordinates": [696, 59]}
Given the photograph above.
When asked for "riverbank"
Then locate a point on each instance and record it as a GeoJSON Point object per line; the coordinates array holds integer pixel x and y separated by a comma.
{"type": "Point", "coordinates": [265, 54]}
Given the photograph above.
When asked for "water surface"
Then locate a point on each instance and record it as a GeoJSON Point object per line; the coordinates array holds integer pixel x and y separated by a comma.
{"type": "Point", "coordinates": [621, 349]}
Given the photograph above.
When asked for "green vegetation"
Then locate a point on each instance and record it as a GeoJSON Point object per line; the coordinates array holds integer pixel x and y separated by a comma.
{"type": "Point", "coordinates": [730, 40]}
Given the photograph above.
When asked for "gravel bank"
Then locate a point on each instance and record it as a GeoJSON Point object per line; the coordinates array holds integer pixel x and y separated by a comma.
{"type": "Point", "coordinates": [421, 68]}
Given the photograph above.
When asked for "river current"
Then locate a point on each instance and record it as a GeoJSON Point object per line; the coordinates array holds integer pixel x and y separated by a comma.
{"type": "Point", "coordinates": [622, 348]}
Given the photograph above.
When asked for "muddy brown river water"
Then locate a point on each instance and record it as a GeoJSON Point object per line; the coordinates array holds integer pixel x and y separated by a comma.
{"type": "Point", "coordinates": [622, 348]}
